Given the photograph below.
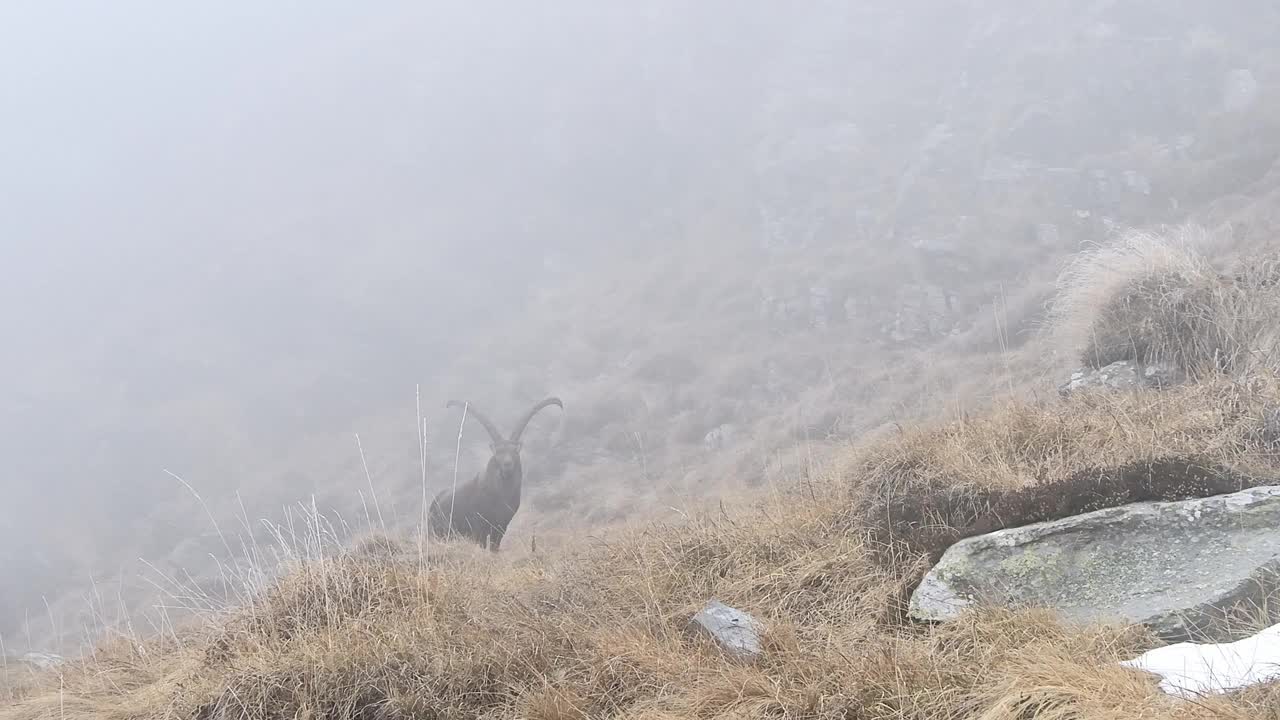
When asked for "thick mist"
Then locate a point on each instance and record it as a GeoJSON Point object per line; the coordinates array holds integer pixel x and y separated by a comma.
{"type": "Point", "coordinates": [228, 228]}
{"type": "Point", "coordinates": [234, 236]}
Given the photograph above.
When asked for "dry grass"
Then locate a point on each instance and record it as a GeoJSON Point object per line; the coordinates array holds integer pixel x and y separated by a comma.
{"type": "Point", "coordinates": [1157, 298]}
{"type": "Point", "coordinates": [1033, 461]}
{"type": "Point", "coordinates": [375, 632]}
{"type": "Point", "coordinates": [386, 629]}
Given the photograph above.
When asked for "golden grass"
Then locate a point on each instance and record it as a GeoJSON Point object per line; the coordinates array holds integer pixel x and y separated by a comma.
{"type": "Point", "coordinates": [388, 629]}
{"type": "Point", "coordinates": [376, 632]}
{"type": "Point", "coordinates": [1034, 461]}
{"type": "Point", "coordinates": [1158, 298]}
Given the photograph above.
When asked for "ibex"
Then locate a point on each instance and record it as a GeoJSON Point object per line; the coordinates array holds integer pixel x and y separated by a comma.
{"type": "Point", "coordinates": [482, 507]}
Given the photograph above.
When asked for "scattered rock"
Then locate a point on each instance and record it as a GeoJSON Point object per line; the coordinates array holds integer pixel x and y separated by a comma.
{"type": "Point", "coordinates": [851, 307]}
{"type": "Point", "coordinates": [1190, 670]}
{"type": "Point", "coordinates": [1137, 182]}
{"type": "Point", "coordinates": [1161, 375]}
{"type": "Point", "coordinates": [719, 437]}
{"type": "Point", "coordinates": [1047, 235]}
{"type": "Point", "coordinates": [41, 660]}
{"type": "Point", "coordinates": [736, 632]}
{"type": "Point", "coordinates": [1101, 190]}
{"type": "Point", "coordinates": [1122, 375]}
{"type": "Point", "coordinates": [1240, 90]}
{"type": "Point", "coordinates": [1178, 567]}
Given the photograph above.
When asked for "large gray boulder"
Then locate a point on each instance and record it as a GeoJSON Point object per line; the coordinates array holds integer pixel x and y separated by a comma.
{"type": "Point", "coordinates": [1178, 567]}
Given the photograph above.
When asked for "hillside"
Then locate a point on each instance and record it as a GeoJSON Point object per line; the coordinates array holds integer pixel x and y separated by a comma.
{"type": "Point", "coordinates": [827, 233]}
{"type": "Point", "coordinates": [387, 628]}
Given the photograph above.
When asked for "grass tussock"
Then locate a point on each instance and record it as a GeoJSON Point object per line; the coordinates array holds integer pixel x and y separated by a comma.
{"type": "Point", "coordinates": [1158, 299]}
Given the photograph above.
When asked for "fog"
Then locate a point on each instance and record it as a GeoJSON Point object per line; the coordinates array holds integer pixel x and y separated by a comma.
{"type": "Point", "coordinates": [236, 235]}
{"type": "Point", "coordinates": [226, 227]}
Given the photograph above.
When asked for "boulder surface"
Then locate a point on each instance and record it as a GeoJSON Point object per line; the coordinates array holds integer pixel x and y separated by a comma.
{"type": "Point", "coordinates": [1122, 375]}
{"type": "Point", "coordinates": [736, 632]}
{"type": "Point", "coordinates": [1178, 567]}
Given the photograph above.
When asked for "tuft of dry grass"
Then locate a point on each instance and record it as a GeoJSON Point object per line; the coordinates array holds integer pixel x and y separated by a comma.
{"type": "Point", "coordinates": [1157, 298]}
{"type": "Point", "coordinates": [1026, 462]}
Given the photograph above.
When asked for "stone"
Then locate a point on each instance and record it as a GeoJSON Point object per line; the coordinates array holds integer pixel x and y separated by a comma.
{"type": "Point", "coordinates": [851, 307]}
{"type": "Point", "coordinates": [736, 632]}
{"type": "Point", "coordinates": [1179, 567]}
{"type": "Point", "coordinates": [1122, 375]}
{"type": "Point", "coordinates": [1047, 235]}
{"type": "Point", "coordinates": [1193, 670]}
{"type": "Point", "coordinates": [1161, 375]}
{"type": "Point", "coordinates": [1099, 188]}
{"type": "Point", "coordinates": [719, 437]}
{"type": "Point", "coordinates": [1240, 90]}
{"type": "Point", "coordinates": [41, 660]}
{"type": "Point", "coordinates": [1137, 182]}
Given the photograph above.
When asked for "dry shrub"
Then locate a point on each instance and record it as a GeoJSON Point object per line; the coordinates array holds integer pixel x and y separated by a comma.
{"type": "Point", "coordinates": [320, 594]}
{"type": "Point", "coordinates": [1156, 298]}
{"type": "Point", "coordinates": [379, 545]}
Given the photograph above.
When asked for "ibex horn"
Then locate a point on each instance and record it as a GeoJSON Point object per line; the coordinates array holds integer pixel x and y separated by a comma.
{"type": "Point", "coordinates": [473, 412]}
{"type": "Point", "coordinates": [515, 436]}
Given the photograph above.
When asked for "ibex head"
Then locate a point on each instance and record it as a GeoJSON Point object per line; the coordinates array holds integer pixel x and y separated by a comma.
{"type": "Point", "coordinates": [506, 451]}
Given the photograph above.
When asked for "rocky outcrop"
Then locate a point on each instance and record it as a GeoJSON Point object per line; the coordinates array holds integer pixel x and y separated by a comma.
{"type": "Point", "coordinates": [1180, 568]}
{"type": "Point", "coordinates": [40, 660]}
{"type": "Point", "coordinates": [719, 438]}
{"type": "Point", "coordinates": [1122, 375]}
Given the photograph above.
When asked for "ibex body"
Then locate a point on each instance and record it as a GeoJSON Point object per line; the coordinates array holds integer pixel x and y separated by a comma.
{"type": "Point", "coordinates": [481, 508]}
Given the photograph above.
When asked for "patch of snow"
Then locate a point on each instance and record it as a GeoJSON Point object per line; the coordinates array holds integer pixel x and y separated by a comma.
{"type": "Point", "coordinates": [1191, 670]}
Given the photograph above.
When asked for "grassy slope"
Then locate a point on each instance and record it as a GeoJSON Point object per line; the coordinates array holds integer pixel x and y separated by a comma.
{"type": "Point", "coordinates": [379, 631]}
{"type": "Point", "coordinates": [871, 386]}
{"type": "Point", "coordinates": [384, 629]}
{"type": "Point", "coordinates": [651, 356]}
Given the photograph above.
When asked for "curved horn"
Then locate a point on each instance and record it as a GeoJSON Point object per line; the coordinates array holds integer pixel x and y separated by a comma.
{"type": "Point", "coordinates": [515, 436]}
{"type": "Point", "coordinates": [473, 412]}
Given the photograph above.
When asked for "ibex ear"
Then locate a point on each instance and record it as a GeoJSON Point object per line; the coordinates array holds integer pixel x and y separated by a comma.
{"type": "Point", "coordinates": [493, 446]}
{"type": "Point", "coordinates": [518, 445]}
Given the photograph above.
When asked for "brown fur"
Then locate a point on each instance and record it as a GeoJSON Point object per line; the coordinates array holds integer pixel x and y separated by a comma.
{"type": "Point", "coordinates": [481, 508]}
